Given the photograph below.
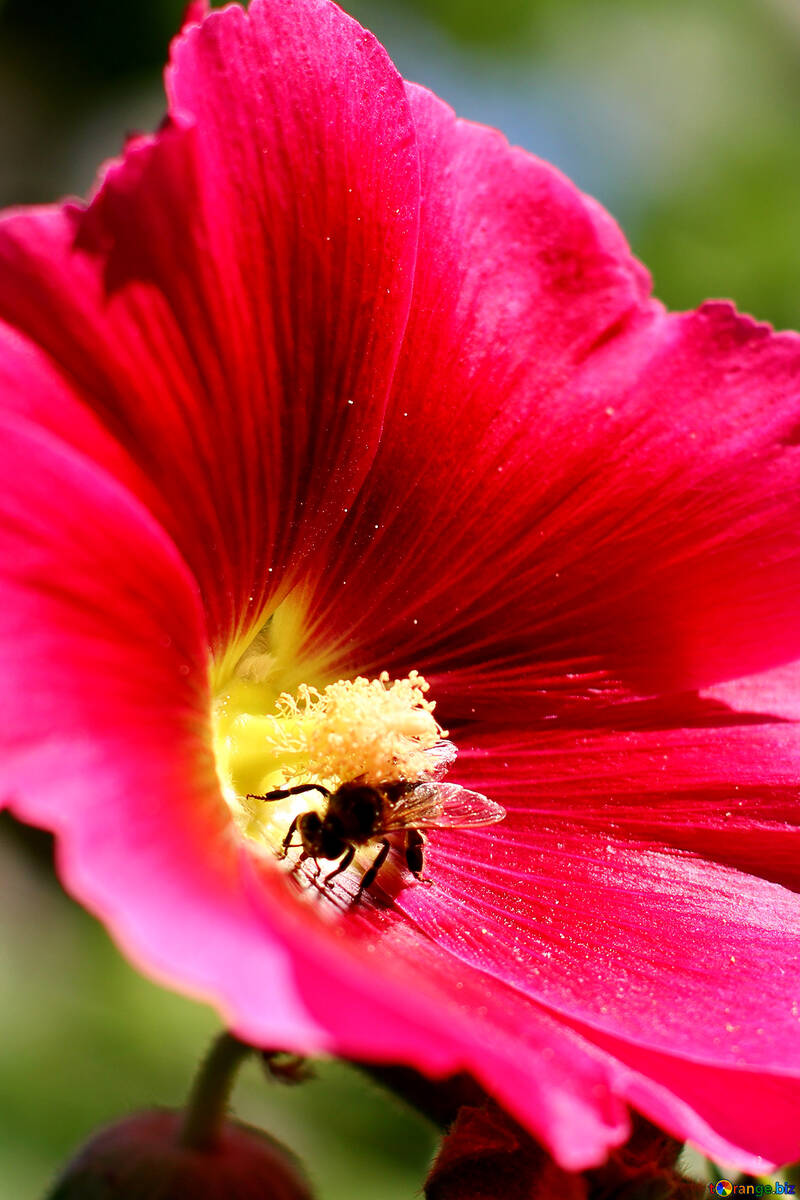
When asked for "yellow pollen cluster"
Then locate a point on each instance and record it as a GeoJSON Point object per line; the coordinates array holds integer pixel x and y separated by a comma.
{"type": "Point", "coordinates": [376, 728]}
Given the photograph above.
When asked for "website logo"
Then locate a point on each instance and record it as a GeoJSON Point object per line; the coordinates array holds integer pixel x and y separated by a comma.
{"type": "Point", "coordinates": [724, 1187]}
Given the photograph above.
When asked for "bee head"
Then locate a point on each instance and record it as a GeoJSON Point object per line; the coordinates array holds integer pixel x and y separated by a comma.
{"type": "Point", "coordinates": [309, 826]}
{"type": "Point", "coordinates": [321, 837]}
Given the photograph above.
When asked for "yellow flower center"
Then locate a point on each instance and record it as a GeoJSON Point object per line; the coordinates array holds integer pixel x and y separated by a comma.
{"type": "Point", "coordinates": [375, 730]}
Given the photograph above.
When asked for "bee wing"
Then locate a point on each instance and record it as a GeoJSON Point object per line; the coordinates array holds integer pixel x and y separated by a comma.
{"type": "Point", "coordinates": [440, 756]}
{"type": "Point", "coordinates": [442, 806]}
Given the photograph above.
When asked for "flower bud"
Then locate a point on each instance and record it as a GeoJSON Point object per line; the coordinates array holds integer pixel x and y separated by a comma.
{"type": "Point", "coordinates": [141, 1158]}
{"type": "Point", "coordinates": [487, 1154]}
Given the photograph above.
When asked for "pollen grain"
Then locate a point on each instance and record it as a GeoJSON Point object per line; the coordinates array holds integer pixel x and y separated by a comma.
{"type": "Point", "coordinates": [378, 729]}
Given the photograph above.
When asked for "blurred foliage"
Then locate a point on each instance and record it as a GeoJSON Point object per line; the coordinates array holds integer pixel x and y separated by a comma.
{"type": "Point", "coordinates": [94, 41]}
{"type": "Point", "coordinates": [714, 87]}
{"type": "Point", "coordinates": [681, 116]}
{"type": "Point", "coordinates": [86, 1039]}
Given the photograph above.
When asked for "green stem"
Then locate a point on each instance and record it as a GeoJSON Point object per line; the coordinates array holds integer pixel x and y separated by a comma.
{"type": "Point", "coordinates": [208, 1099]}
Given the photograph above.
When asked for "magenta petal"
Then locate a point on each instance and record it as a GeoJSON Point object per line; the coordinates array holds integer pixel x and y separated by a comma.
{"type": "Point", "coordinates": [259, 255]}
{"type": "Point", "coordinates": [696, 777]}
{"type": "Point", "coordinates": [703, 1102]}
{"type": "Point", "coordinates": [386, 993]}
{"type": "Point", "coordinates": [591, 498]}
{"type": "Point", "coordinates": [106, 743]}
{"type": "Point", "coordinates": [577, 957]}
{"type": "Point", "coordinates": [713, 471]}
{"type": "Point", "coordinates": [577, 904]}
{"type": "Point", "coordinates": [630, 940]}
{"type": "Point", "coordinates": [105, 730]}
{"type": "Point", "coordinates": [519, 279]}
{"type": "Point", "coordinates": [89, 582]}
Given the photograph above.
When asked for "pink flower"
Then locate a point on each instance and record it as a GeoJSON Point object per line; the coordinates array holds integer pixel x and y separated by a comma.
{"type": "Point", "coordinates": [318, 350]}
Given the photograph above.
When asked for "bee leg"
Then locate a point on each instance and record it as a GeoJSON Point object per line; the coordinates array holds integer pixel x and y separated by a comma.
{"type": "Point", "coordinates": [317, 871]}
{"type": "Point", "coordinates": [415, 858]}
{"type": "Point", "coordinates": [282, 793]}
{"type": "Point", "coordinates": [380, 859]}
{"type": "Point", "coordinates": [349, 855]}
{"type": "Point", "coordinates": [288, 838]}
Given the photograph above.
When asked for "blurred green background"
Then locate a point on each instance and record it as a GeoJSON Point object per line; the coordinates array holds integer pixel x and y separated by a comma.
{"type": "Point", "coordinates": [681, 116]}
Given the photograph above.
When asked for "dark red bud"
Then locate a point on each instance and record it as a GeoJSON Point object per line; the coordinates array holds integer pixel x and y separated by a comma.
{"type": "Point", "coordinates": [488, 1156]}
{"type": "Point", "coordinates": [141, 1157]}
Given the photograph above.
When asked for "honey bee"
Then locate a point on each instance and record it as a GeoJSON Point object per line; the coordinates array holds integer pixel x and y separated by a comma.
{"type": "Point", "coordinates": [359, 813]}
